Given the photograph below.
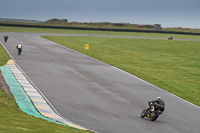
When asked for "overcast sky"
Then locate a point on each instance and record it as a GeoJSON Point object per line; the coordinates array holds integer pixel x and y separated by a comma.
{"type": "Point", "coordinates": [168, 13]}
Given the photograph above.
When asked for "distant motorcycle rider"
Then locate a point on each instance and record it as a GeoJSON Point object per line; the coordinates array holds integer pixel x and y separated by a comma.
{"type": "Point", "coordinates": [5, 38]}
{"type": "Point", "coordinates": [158, 101]}
{"type": "Point", "coordinates": [171, 37]}
{"type": "Point", "coordinates": [19, 46]}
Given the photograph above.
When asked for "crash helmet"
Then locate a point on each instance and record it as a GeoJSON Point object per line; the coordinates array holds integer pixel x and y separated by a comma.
{"type": "Point", "coordinates": [158, 98]}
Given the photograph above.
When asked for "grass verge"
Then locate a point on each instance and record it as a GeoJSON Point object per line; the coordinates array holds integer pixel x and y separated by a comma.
{"type": "Point", "coordinates": [170, 65]}
{"type": "Point", "coordinates": [13, 120]}
{"type": "Point", "coordinates": [3, 56]}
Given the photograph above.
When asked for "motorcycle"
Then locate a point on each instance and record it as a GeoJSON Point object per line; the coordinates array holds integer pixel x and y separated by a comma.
{"type": "Point", "coordinates": [152, 111]}
{"type": "Point", "coordinates": [19, 51]}
{"type": "Point", "coordinates": [170, 38]}
{"type": "Point", "coordinates": [5, 39]}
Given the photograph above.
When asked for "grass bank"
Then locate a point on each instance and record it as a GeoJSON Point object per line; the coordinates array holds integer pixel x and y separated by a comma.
{"type": "Point", "coordinates": [3, 56]}
{"type": "Point", "coordinates": [13, 120]}
{"type": "Point", "coordinates": [170, 65]}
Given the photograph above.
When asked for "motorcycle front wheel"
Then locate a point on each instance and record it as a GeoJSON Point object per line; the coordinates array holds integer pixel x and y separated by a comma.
{"type": "Point", "coordinates": [143, 113]}
{"type": "Point", "coordinates": [19, 51]}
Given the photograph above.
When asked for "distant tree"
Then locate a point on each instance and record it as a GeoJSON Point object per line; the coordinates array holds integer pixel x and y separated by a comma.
{"type": "Point", "coordinates": [66, 20]}
{"type": "Point", "coordinates": [118, 24]}
{"type": "Point", "coordinates": [56, 21]}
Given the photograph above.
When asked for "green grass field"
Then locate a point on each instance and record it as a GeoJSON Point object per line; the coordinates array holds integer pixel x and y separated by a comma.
{"type": "Point", "coordinates": [170, 65]}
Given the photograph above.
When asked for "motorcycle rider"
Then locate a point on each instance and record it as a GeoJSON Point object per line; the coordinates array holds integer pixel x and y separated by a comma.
{"type": "Point", "coordinates": [19, 46]}
{"type": "Point", "coordinates": [5, 37]}
{"type": "Point", "coordinates": [171, 37]}
{"type": "Point", "coordinates": [158, 101]}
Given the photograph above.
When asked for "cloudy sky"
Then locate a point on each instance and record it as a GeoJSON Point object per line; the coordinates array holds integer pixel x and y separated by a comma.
{"type": "Point", "coordinates": [168, 13]}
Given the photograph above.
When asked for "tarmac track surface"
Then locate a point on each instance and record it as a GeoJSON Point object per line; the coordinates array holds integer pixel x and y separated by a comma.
{"type": "Point", "coordinates": [96, 95]}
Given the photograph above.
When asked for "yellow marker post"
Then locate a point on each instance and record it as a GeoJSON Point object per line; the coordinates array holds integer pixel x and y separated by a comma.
{"type": "Point", "coordinates": [86, 46]}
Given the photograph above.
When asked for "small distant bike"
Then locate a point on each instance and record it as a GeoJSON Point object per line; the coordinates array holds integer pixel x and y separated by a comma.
{"type": "Point", "coordinates": [5, 38]}
{"type": "Point", "coordinates": [170, 38]}
{"type": "Point", "coordinates": [19, 48]}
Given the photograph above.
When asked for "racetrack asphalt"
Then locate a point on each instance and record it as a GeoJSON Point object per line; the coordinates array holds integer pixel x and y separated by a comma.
{"type": "Point", "coordinates": [96, 95]}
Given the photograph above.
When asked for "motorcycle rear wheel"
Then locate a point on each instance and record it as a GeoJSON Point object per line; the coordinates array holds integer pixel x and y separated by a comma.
{"type": "Point", "coordinates": [155, 116]}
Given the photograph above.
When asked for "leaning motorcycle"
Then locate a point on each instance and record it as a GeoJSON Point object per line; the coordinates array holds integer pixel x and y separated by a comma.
{"type": "Point", "coordinates": [152, 111]}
